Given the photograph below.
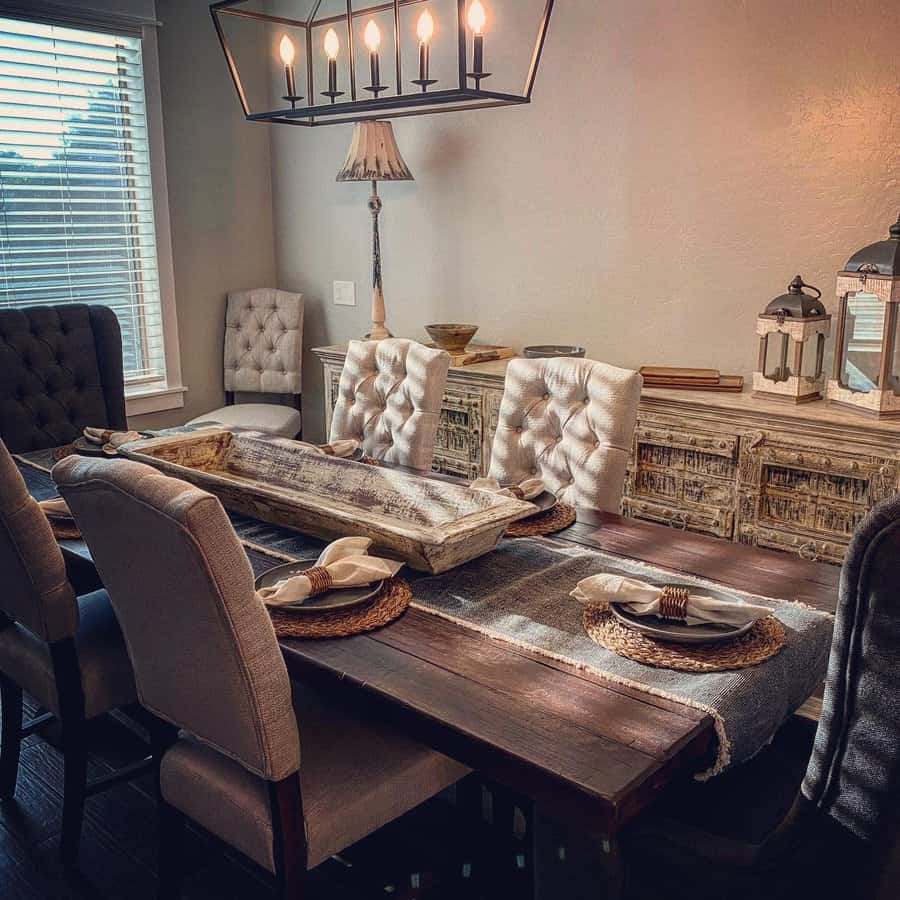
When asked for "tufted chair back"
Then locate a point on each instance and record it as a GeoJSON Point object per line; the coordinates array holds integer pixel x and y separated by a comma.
{"type": "Point", "coordinates": [60, 370]}
{"type": "Point", "coordinates": [202, 645]}
{"type": "Point", "coordinates": [570, 422]}
{"type": "Point", "coordinates": [264, 342]}
{"type": "Point", "coordinates": [854, 774]}
{"type": "Point", "coordinates": [34, 589]}
{"type": "Point", "coordinates": [390, 398]}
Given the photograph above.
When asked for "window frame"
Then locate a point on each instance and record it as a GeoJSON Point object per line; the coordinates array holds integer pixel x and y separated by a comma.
{"type": "Point", "coordinates": [143, 396]}
{"type": "Point", "coordinates": [138, 399]}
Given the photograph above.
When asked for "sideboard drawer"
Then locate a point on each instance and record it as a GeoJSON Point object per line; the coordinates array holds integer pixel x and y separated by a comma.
{"type": "Point", "coordinates": [658, 434]}
{"type": "Point", "coordinates": [831, 550]}
{"type": "Point", "coordinates": [704, 520]}
{"type": "Point", "coordinates": [460, 437]}
{"type": "Point", "coordinates": [683, 479]}
{"type": "Point", "coordinates": [798, 496]}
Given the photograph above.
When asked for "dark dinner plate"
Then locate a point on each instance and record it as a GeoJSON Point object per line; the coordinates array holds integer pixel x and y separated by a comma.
{"type": "Point", "coordinates": [339, 598]}
{"type": "Point", "coordinates": [84, 447]}
{"type": "Point", "coordinates": [544, 503]}
{"type": "Point", "coordinates": [676, 632]}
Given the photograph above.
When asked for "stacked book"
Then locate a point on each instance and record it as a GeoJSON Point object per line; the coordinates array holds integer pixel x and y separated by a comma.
{"type": "Point", "coordinates": [691, 379]}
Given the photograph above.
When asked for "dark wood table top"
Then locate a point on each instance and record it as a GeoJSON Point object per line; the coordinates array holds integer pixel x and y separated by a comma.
{"type": "Point", "coordinates": [590, 751]}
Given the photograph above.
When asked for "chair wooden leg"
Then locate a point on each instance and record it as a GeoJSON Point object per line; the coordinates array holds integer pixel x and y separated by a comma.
{"type": "Point", "coordinates": [74, 790]}
{"type": "Point", "coordinates": [289, 833]}
{"type": "Point", "coordinates": [171, 852]}
{"type": "Point", "coordinates": [74, 739]}
{"type": "Point", "coordinates": [171, 821]}
{"type": "Point", "coordinates": [10, 736]}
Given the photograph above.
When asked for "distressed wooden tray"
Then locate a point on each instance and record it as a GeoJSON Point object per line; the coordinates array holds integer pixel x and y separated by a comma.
{"type": "Point", "coordinates": [431, 525]}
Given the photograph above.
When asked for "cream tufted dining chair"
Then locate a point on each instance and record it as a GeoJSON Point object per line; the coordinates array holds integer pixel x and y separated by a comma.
{"type": "Point", "coordinates": [263, 355]}
{"type": "Point", "coordinates": [289, 782]}
{"type": "Point", "coordinates": [570, 422]}
{"type": "Point", "coordinates": [389, 399]}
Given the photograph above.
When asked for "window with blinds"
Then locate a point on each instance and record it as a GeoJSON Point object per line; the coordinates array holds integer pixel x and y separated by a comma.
{"type": "Point", "coordinates": [76, 208]}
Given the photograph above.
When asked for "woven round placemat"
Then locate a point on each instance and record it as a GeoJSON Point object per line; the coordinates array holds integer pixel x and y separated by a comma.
{"type": "Point", "coordinates": [763, 640]}
{"type": "Point", "coordinates": [561, 516]}
{"type": "Point", "coordinates": [64, 529]}
{"type": "Point", "coordinates": [389, 604]}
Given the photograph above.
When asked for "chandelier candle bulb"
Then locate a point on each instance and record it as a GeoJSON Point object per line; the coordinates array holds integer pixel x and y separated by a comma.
{"type": "Point", "coordinates": [286, 50]}
{"type": "Point", "coordinates": [477, 21]}
{"type": "Point", "coordinates": [425, 29]}
{"type": "Point", "coordinates": [332, 48]}
{"type": "Point", "coordinates": [372, 37]}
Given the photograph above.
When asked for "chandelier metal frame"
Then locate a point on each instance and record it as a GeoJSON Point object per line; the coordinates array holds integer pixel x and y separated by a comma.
{"type": "Point", "coordinates": [397, 105]}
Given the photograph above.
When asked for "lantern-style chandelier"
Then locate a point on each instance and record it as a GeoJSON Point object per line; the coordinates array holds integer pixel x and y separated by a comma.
{"type": "Point", "coordinates": [349, 60]}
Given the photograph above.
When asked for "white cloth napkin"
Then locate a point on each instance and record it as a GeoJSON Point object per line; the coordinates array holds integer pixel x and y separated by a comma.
{"type": "Point", "coordinates": [529, 488]}
{"type": "Point", "coordinates": [642, 599]}
{"type": "Point", "coordinates": [57, 508]}
{"type": "Point", "coordinates": [110, 441]}
{"type": "Point", "coordinates": [341, 449]}
{"type": "Point", "coordinates": [348, 563]}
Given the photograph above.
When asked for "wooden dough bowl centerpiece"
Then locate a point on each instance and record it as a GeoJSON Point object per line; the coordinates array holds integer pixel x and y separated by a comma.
{"type": "Point", "coordinates": [431, 525]}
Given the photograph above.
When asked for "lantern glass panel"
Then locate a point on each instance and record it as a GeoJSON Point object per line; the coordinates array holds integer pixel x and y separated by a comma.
{"type": "Point", "coordinates": [777, 366]}
{"type": "Point", "coordinates": [809, 366]}
{"type": "Point", "coordinates": [863, 339]}
{"type": "Point", "coordinates": [894, 373]}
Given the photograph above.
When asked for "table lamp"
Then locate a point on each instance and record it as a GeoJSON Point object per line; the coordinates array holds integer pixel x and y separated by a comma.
{"type": "Point", "coordinates": [374, 156]}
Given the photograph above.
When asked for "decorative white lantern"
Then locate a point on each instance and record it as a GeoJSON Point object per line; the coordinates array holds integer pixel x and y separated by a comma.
{"type": "Point", "coordinates": [867, 355]}
{"type": "Point", "coordinates": [792, 333]}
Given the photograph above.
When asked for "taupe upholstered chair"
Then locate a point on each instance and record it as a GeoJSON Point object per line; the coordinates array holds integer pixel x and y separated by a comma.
{"type": "Point", "coordinates": [263, 355]}
{"type": "Point", "coordinates": [207, 660]}
{"type": "Point", "coordinates": [389, 399]}
{"type": "Point", "coordinates": [571, 423]}
{"type": "Point", "coordinates": [812, 815]}
{"type": "Point", "coordinates": [66, 652]}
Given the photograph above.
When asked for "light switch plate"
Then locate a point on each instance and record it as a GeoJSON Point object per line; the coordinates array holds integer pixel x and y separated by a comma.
{"type": "Point", "coordinates": [345, 293]}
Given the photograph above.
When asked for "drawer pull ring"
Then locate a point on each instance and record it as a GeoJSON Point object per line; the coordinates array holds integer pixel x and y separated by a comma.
{"type": "Point", "coordinates": [809, 552]}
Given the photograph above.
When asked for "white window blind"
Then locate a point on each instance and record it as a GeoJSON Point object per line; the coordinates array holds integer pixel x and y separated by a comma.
{"type": "Point", "coordinates": [76, 206]}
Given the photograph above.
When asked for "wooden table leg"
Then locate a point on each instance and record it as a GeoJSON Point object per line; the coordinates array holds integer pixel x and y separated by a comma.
{"type": "Point", "coordinates": [615, 870]}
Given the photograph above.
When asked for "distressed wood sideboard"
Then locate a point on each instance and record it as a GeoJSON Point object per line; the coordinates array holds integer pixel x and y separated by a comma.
{"type": "Point", "coordinates": [754, 471]}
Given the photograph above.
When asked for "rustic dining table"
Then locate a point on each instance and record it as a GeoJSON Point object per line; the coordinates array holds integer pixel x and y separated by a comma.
{"type": "Point", "coordinates": [589, 752]}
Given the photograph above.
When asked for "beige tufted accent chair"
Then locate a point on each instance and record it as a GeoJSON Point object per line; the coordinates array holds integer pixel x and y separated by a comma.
{"type": "Point", "coordinates": [263, 355]}
{"type": "Point", "coordinates": [570, 422]}
{"type": "Point", "coordinates": [390, 399]}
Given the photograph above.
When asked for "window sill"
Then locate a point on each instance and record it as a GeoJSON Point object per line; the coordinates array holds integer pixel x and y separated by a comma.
{"type": "Point", "coordinates": [140, 403]}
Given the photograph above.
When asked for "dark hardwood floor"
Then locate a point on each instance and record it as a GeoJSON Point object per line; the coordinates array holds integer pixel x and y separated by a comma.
{"type": "Point", "coordinates": [444, 850]}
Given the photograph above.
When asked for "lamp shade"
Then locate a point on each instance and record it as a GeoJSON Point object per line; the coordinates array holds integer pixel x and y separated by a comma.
{"type": "Point", "coordinates": [374, 155]}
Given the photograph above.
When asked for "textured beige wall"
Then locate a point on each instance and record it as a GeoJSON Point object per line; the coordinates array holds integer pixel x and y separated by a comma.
{"type": "Point", "coordinates": [680, 163]}
{"type": "Point", "coordinates": [220, 198]}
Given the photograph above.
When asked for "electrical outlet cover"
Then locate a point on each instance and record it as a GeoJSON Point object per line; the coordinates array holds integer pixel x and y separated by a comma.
{"type": "Point", "coordinates": [345, 293]}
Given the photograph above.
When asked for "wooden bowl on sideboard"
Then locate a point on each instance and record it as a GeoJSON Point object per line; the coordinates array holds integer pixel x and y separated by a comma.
{"type": "Point", "coordinates": [452, 338]}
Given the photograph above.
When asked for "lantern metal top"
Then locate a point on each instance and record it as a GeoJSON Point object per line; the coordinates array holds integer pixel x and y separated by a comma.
{"type": "Point", "coordinates": [881, 258]}
{"type": "Point", "coordinates": [795, 304]}
{"type": "Point", "coordinates": [390, 101]}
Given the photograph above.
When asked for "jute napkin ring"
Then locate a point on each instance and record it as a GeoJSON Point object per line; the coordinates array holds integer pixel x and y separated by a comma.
{"type": "Point", "coordinates": [320, 580]}
{"type": "Point", "coordinates": [673, 602]}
